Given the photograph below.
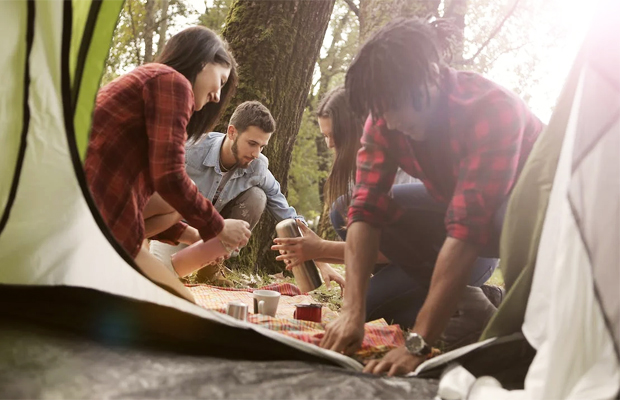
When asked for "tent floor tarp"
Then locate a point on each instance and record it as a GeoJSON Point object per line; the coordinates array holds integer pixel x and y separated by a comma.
{"type": "Point", "coordinates": [38, 362]}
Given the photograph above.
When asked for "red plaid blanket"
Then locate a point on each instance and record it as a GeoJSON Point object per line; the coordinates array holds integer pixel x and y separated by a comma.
{"type": "Point", "coordinates": [379, 338]}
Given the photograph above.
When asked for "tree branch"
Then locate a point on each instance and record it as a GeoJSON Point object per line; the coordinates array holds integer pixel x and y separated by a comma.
{"type": "Point", "coordinates": [353, 7]}
{"type": "Point", "coordinates": [135, 34]}
{"type": "Point", "coordinates": [493, 34]}
{"type": "Point", "coordinates": [510, 50]}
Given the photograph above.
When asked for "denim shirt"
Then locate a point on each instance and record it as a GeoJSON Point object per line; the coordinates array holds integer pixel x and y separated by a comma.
{"type": "Point", "coordinates": [202, 162]}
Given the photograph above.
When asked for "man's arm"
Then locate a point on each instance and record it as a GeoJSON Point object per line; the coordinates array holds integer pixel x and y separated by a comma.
{"type": "Point", "coordinates": [346, 333]}
{"type": "Point", "coordinates": [370, 209]}
{"type": "Point", "coordinates": [276, 202]}
{"type": "Point", "coordinates": [452, 271]}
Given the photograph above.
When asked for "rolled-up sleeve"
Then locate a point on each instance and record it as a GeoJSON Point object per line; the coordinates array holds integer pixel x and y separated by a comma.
{"type": "Point", "coordinates": [168, 103]}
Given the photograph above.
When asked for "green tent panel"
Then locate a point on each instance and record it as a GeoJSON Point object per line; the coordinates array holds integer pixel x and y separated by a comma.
{"type": "Point", "coordinates": [12, 108]}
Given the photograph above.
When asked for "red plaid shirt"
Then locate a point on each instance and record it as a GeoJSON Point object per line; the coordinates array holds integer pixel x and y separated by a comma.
{"type": "Point", "coordinates": [475, 148]}
{"type": "Point", "coordinates": [137, 147]}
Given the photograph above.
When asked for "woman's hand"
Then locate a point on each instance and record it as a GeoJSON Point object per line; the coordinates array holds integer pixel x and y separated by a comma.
{"type": "Point", "coordinates": [294, 251]}
{"type": "Point", "coordinates": [235, 234]}
{"type": "Point", "coordinates": [330, 275]}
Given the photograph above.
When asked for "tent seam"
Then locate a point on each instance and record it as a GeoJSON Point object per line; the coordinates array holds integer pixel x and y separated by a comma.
{"type": "Point", "coordinates": [87, 39]}
{"type": "Point", "coordinates": [26, 120]}
{"type": "Point", "coordinates": [72, 145]}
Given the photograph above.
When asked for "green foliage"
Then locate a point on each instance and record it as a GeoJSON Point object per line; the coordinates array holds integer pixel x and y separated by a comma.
{"type": "Point", "coordinates": [127, 50]}
{"type": "Point", "coordinates": [215, 15]}
{"type": "Point", "coordinates": [304, 173]}
{"type": "Point", "coordinates": [511, 53]}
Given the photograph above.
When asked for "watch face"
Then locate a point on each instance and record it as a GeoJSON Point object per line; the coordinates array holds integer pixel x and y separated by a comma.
{"type": "Point", "coordinates": [415, 343]}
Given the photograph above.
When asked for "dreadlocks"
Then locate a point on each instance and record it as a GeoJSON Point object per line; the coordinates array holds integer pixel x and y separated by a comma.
{"type": "Point", "coordinates": [395, 65]}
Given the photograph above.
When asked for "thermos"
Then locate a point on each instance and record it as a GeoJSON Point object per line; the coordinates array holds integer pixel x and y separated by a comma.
{"type": "Point", "coordinates": [307, 274]}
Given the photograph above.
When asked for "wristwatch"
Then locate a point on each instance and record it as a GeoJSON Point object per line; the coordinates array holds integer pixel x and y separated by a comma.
{"type": "Point", "coordinates": [416, 345]}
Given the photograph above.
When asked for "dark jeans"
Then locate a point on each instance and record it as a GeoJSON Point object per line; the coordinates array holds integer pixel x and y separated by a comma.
{"type": "Point", "coordinates": [398, 290]}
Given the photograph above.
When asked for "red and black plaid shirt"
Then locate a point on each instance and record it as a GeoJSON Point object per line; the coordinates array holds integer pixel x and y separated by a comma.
{"type": "Point", "coordinates": [137, 147]}
{"type": "Point", "coordinates": [475, 148]}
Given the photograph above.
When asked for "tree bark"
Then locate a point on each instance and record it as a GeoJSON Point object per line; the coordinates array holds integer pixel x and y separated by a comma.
{"type": "Point", "coordinates": [376, 13]}
{"type": "Point", "coordinates": [455, 11]}
{"type": "Point", "coordinates": [276, 44]}
{"type": "Point", "coordinates": [149, 29]}
{"type": "Point", "coordinates": [163, 25]}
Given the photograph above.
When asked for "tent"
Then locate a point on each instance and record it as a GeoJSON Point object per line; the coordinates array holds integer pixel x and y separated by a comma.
{"type": "Point", "coordinates": [79, 319]}
{"type": "Point", "coordinates": [571, 312]}
{"type": "Point", "coordinates": [76, 314]}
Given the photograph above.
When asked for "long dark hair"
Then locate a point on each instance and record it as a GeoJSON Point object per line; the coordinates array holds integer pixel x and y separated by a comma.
{"type": "Point", "coordinates": [188, 52]}
{"type": "Point", "coordinates": [347, 130]}
{"type": "Point", "coordinates": [395, 65]}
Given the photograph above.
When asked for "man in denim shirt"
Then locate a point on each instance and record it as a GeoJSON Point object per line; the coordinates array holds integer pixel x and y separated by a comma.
{"type": "Point", "coordinates": [231, 172]}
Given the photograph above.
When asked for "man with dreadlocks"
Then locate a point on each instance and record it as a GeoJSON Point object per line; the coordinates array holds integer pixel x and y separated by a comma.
{"type": "Point", "coordinates": [465, 137]}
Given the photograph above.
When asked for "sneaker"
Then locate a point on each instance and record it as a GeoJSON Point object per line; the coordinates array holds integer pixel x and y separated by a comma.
{"type": "Point", "coordinates": [213, 274]}
{"type": "Point", "coordinates": [495, 294]}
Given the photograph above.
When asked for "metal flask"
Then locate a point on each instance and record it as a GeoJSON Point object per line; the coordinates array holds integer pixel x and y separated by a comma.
{"type": "Point", "coordinates": [307, 274]}
{"type": "Point", "coordinates": [238, 310]}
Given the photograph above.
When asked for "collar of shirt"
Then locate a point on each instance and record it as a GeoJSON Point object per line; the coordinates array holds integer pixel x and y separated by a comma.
{"type": "Point", "coordinates": [212, 158]}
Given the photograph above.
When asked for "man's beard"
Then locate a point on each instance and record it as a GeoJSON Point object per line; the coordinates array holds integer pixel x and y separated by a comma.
{"type": "Point", "coordinates": [235, 151]}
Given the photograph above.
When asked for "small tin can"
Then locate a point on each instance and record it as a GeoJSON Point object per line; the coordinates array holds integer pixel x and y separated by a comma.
{"type": "Point", "coordinates": [238, 310]}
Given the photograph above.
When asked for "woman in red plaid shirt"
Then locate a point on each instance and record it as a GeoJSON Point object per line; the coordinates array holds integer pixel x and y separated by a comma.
{"type": "Point", "coordinates": [135, 164]}
{"type": "Point", "coordinates": [465, 137]}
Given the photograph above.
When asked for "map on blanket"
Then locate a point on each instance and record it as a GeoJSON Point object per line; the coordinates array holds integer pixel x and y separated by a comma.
{"type": "Point", "coordinates": [379, 337]}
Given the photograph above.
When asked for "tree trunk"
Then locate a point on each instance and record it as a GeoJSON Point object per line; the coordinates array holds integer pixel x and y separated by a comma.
{"type": "Point", "coordinates": [455, 11]}
{"type": "Point", "coordinates": [328, 67]}
{"type": "Point", "coordinates": [376, 13]}
{"type": "Point", "coordinates": [149, 30]}
{"type": "Point", "coordinates": [276, 44]}
{"type": "Point", "coordinates": [163, 25]}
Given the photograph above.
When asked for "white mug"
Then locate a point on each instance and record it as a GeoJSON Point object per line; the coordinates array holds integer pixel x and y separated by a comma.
{"type": "Point", "coordinates": [266, 302]}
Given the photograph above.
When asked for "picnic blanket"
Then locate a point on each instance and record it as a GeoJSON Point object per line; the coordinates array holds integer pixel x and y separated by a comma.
{"type": "Point", "coordinates": [379, 337]}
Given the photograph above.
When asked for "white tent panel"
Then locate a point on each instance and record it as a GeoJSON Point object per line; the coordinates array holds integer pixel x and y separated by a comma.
{"type": "Point", "coordinates": [564, 320]}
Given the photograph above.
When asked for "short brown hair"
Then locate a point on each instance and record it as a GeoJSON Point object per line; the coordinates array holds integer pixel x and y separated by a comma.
{"type": "Point", "coordinates": [252, 113]}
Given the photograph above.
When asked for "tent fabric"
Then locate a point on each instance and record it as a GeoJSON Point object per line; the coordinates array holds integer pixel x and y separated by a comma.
{"type": "Point", "coordinates": [572, 313]}
{"type": "Point", "coordinates": [522, 230]}
{"type": "Point", "coordinates": [37, 363]}
{"type": "Point", "coordinates": [16, 43]}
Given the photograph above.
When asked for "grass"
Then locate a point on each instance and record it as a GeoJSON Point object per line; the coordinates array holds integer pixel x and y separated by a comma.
{"type": "Point", "coordinates": [246, 277]}
{"type": "Point", "coordinates": [496, 279]}
{"type": "Point", "coordinates": [331, 297]}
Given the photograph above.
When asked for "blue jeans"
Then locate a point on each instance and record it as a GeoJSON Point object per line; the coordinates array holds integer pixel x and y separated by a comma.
{"type": "Point", "coordinates": [397, 290]}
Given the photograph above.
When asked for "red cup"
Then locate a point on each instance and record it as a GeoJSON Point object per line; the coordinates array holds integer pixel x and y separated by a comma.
{"type": "Point", "coordinates": [308, 312]}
